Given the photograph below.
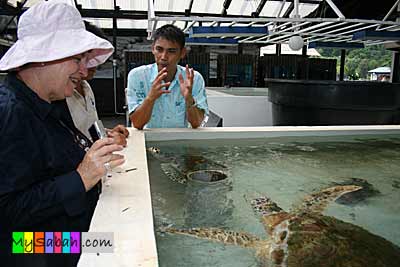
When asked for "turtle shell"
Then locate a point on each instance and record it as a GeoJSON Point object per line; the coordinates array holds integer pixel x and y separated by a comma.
{"type": "Point", "coordinates": [318, 240]}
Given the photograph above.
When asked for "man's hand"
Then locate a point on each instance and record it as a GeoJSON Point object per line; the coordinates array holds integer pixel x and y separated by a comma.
{"type": "Point", "coordinates": [187, 85]}
{"type": "Point", "coordinates": [142, 114]}
{"type": "Point", "coordinates": [121, 129]}
{"type": "Point", "coordinates": [194, 115]}
{"type": "Point", "coordinates": [119, 133]}
{"type": "Point", "coordinates": [156, 89]}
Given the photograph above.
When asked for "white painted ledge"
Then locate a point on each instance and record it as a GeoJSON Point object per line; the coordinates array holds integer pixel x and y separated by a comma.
{"type": "Point", "coordinates": [125, 209]}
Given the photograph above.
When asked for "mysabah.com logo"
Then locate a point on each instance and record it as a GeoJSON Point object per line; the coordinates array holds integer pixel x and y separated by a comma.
{"type": "Point", "coordinates": [62, 242]}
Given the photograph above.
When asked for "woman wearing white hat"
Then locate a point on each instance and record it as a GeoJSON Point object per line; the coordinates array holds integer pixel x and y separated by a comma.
{"type": "Point", "coordinates": [49, 172]}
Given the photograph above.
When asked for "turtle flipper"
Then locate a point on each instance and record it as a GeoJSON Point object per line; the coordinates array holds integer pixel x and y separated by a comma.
{"type": "Point", "coordinates": [317, 202]}
{"type": "Point", "coordinates": [173, 173]}
{"type": "Point", "coordinates": [271, 213]}
{"type": "Point", "coordinates": [219, 235]}
{"type": "Point", "coordinates": [265, 206]}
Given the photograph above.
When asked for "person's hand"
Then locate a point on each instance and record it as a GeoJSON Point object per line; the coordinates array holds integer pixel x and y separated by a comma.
{"type": "Point", "coordinates": [120, 129]}
{"type": "Point", "coordinates": [157, 88]}
{"type": "Point", "coordinates": [119, 133]}
{"type": "Point", "coordinates": [98, 160]}
{"type": "Point", "coordinates": [118, 137]}
{"type": "Point", "coordinates": [186, 85]}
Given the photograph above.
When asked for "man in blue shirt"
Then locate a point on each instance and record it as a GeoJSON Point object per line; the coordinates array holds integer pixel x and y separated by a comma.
{"type": "Point", "coordinates": [163, 94]}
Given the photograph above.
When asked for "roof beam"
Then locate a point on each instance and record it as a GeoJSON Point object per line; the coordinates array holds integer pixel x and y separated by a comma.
{"type": "Point", "coordinates": [335, 9]}
{"type": "Point", "coordinates": [388, 27]}
{"type": "Point", "coordinates": [109, 32]}
{"type": "Point", "coordinates": [351, 31]}
{"type": "Point", "coordinates": [288, 11]}
{"type": "Point", "coordinates": [20, 5]}
{"type": "Point", "coordinates": [125, 14]}
{"type": "Point", "coordinates": [186, 30]}
{"type": "Point", "coordinates": [151, 25]}
{"type": "Point", "coordinates": [281, 8]}
{"type": "Point", "coordinates": [335, 25]}
{"type": "Point", "coordinates": [188, 11]}
{"type": "Point", "coordinates": [323, 24]}
{"type": "Point", "coordinates": [259, 8]}
{"type": "Point", "coordinates": [284, 30]}
{"type": "Point", "coordinates": [315, 2]}
{"type": "Point", "coordinates": [396, 5]}
{"type": "Point", "coordinates": [5, 42]}
{"type": "Point", "coordinates": [225, 7]}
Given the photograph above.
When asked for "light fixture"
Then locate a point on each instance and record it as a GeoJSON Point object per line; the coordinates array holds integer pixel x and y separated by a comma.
{"type": "Point", "coordinates": [296, 42]}
{"type": "Point", "coordinates": [207, 31]}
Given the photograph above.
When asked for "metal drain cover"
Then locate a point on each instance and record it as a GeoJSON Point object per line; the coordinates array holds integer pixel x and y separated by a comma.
{"type": "Point", "coordinates": [207, 176]}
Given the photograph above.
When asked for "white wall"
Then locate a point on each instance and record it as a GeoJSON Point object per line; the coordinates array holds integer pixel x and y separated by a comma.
{"type": "Point", "coordinates": [241, 110]}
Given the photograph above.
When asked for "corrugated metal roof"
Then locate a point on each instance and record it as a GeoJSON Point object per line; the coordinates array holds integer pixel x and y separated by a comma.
{"type": "Point", "coordinates": [279, 16]}
{"type": "Point", "coordinates": [380, 70]}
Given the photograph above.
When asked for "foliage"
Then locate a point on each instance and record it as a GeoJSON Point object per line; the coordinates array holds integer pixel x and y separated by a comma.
{"type": "Point", "coordinates": [360, 61]}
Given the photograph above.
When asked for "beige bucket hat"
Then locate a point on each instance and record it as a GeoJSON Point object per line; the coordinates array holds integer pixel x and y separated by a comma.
{"type": "Point", "coordinates": [50, 31]}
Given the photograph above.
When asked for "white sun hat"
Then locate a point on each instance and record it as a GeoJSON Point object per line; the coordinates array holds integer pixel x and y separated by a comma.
{"type": "Point", "coordinates": [54, 30]}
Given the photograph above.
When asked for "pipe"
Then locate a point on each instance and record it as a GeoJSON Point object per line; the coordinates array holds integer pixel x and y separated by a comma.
{"type": "Point", "coordinates": [115, 87]}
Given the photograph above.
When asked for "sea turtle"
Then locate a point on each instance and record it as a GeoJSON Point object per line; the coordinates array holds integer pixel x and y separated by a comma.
{"type": "Point", "coordinates": [305, 237]}
{"type": "Point", "coordinates": [177, 167]}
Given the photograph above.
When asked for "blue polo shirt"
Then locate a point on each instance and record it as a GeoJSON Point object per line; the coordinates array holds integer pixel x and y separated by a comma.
{"type": "Point", "coordinates": [169, 110]}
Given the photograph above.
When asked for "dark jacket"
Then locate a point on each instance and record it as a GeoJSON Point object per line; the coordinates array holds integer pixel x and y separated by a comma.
{"type": "Point", "coordinates": [40, 189]}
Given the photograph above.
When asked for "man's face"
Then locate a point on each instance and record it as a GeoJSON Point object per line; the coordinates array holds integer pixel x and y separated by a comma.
{"type": "Point", "coordinates": [167, 54]}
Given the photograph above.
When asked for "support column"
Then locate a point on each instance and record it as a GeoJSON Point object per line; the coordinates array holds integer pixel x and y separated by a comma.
{"type": "Point", "coordinates": [240, 49]}
{"type": "Point", "coordinates": [395, 75]}
{"type": "Point", "coordinates": [304, 50]}
{"type": "Point", "coordinates": [278, 49]}
{"type": "Point", "coordinates": [115, 26]}
{"type": "Point", "coordinates": [342, 62]}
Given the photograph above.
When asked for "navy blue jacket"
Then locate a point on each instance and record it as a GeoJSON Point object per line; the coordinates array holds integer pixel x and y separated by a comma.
{"type": "Point", "coordinates": [40, 189]}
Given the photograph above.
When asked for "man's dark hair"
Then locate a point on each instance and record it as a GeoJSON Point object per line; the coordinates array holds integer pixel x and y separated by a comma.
{"type": "Point", "coordinates": [170, 33]}
{"type": "Point", "coordinates": [94, 29]}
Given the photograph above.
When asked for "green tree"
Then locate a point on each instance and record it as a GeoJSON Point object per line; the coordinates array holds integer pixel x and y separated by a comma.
{"type": "Point", "coordinates": [360, 61]}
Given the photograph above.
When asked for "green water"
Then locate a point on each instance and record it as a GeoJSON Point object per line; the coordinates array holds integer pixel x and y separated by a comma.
{"type": "Point", "coordinates": [284, 169]}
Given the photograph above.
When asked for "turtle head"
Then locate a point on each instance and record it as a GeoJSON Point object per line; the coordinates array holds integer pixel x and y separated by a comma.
{"type": "Point", "coordinates": [340, 190]}
{"type": "Point", "coordinates": [154, 150]}
{"type": "Point", "coordinates": [318, 201]}
{"type": "Point", "coordinates": [350, 188]}
{"type": "Point", "coordinates": [331, 193]}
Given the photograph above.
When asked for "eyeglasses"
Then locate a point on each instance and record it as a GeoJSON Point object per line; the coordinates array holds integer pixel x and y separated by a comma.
{"type": "Point", "coordinates": [79, 138]}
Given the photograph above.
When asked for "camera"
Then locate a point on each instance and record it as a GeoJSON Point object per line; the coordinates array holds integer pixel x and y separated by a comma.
{"type": "Point", "coordinates": [97, 131]}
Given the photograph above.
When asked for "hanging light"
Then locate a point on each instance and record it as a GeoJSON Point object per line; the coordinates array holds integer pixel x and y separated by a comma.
{"type": "Point", "coordinates": [296, 42]}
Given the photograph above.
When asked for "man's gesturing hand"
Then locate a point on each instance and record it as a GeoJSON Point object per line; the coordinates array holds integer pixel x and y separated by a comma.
{"type": "Point", "coordinates": [156, 89]}
{"type": "Point", "coordinates": [187, 84]}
